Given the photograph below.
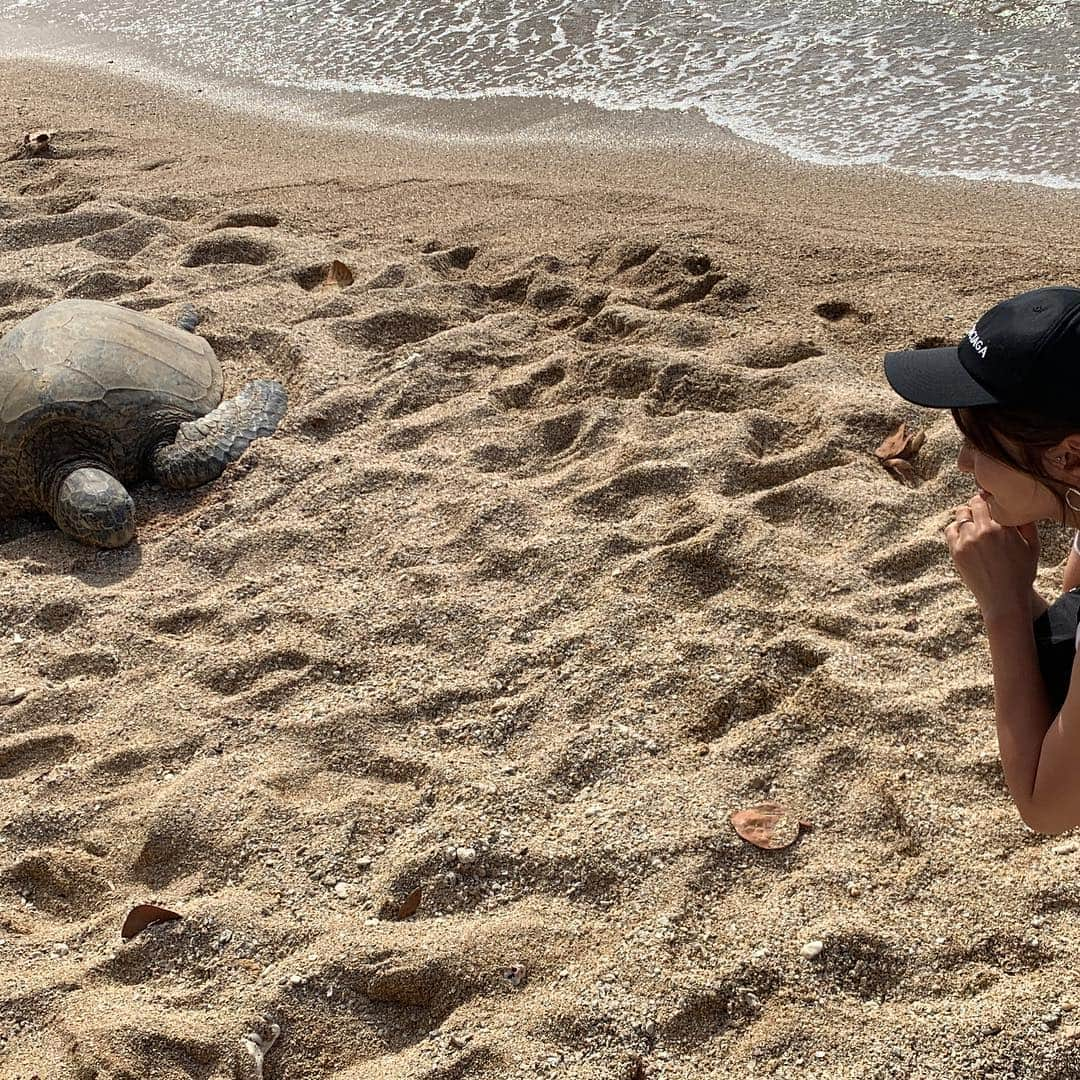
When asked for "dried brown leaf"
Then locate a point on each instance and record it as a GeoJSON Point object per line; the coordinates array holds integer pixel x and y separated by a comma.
{"type": "Point", "coordinates": [768, 825]}
{"type": "Point", "coordinates": [337, 273]}
{"type": "Point", "coordinates": [900, 444]}
{"type": "Point", "coordinates": [902, 470]}
{"type": "Point", "coordinates": [894, 444]}
{"type": "Point", "coordinates": [143, 915]}
{"type": "Point", "coordinates": [410, 904]}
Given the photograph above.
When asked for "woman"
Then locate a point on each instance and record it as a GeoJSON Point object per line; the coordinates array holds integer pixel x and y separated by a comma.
{"type": "Point", "coordinates": [1013, 385]}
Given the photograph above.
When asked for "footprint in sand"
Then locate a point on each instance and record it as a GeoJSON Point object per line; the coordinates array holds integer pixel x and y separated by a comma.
{"type": "Point", "coordinates": [521, 393]}
{"type": "Point", "coordinates": [444, 260]}
{"type": "Point", "coordinates": [125, 240]}
{"type": "Point", "coordinates": [105, 284]}
{"type": "Point", "coordinates": [250, 218]}
{"type": "Point", "coordinates": [664, 278]}
{"type": "Point", "coordinates": [391, 277]}
{"type": "Point", "coordinates": [835, 310]}
{"type": "Point", "coordinates": [60, 228]}
{"type": "Point", "coordinates": [15, 290]}
{"type": "Point", "coordinates": [23, 753]}
{"type": "Point", "coordinates": [227, 246]}
{"type": "Point", "coordinates": [779, 354]}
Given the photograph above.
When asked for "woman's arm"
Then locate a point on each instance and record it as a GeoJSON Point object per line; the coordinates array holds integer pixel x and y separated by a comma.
{"type": "Point", "coordinates": [1022, 708]}
{"type": "Point", "coordinates": [1050, 801]}
{"type": "Point", "coordinates": [1055, 798]}
{"type": "Point", "coordinates": [1072, 567]}
{"type": "Point", "coordinates": [1040, 754]}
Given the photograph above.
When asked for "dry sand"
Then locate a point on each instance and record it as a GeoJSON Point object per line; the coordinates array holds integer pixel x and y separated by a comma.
{"type": "Point", "coordinates": [572, 543]}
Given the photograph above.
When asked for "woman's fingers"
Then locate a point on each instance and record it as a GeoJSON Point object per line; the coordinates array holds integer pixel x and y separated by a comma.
{"type": "Point", "coordinates": [980, 509]}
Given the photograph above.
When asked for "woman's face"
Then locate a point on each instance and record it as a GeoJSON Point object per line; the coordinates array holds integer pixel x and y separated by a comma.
{"type": "Point", "coordinates": [1013, 497]}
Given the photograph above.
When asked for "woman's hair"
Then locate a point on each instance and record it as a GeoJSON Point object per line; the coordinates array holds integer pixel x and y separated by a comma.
{"type": "Point", "coordinates": [984, 426]}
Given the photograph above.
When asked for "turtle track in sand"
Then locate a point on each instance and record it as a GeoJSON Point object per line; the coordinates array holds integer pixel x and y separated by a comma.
{"type": "Point", "coordinates": [558, 557]}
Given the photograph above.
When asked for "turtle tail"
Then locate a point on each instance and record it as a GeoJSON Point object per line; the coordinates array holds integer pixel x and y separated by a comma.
{"type": "Point", "coordinates": [202, 448]}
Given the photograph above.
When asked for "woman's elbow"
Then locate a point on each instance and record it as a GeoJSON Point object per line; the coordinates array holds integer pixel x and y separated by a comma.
{"type": "Point", "coordinates": [1046, 822]}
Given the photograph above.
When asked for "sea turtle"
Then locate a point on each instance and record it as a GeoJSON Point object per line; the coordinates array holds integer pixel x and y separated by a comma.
{"type": "Point", "coordinates": [94, 396]}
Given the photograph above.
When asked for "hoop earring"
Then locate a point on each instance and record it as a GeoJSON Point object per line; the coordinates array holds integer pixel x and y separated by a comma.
{"type": "Point", "coordinates": [1069, 502]}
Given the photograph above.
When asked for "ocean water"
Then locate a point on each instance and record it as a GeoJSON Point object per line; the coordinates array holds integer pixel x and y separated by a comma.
{"type": "Point", "coordinates": [985, 89]}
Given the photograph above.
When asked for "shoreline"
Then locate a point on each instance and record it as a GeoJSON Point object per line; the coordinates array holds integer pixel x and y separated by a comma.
{"type": "Point", "coordinates": [497, 120]}
{"type": "Point", "coordinates": [634, 147]}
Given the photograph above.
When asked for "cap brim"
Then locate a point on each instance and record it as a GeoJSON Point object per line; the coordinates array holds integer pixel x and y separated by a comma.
{"type": "Point", "coordinates": [934, 377]}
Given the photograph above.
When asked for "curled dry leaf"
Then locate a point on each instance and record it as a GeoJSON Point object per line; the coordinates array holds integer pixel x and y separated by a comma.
{"type": "Point", "coordinates": [893, 445]}
{"type": "Point", "coordinates": [897, 451]}
{"type": "Point", "coordinates": [902, 470]}
{"type": "Point", "coordinates": [768, 825]}
{"type": "Point", "coordinates": [337, 273]}
{"type": "Point", "coordinates": [410, 904]}
{"type": "Point", "coordinates": [901, 444]}
{"type": "Point", "coordinates": [143, 915]}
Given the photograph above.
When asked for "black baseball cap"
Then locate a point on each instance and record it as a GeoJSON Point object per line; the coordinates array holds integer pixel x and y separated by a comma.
{"type": "Point", "coordinates": [1024, 353]}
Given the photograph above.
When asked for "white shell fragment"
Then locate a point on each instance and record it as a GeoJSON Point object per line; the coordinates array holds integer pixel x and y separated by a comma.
{"type": "Point", "coordinates": [515, 975]}
{"type": "Point", "coordinates": [258, 1043]}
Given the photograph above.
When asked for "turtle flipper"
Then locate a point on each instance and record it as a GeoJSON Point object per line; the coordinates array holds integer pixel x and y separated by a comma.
{"type": "Point", "coordinates": [202, 448]}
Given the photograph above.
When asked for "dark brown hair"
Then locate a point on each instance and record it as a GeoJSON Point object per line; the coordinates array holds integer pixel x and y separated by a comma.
{"type": "Point", "coordinates": [1033, 433]}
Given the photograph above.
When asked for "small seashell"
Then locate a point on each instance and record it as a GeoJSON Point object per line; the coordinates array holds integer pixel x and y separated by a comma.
{"type": "Point", "coordinates": [515, 975]}
{"type": "Point", "coordinates": [812, 949]}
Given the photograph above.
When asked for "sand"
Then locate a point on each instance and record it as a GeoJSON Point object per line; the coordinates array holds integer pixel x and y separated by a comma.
{"type": "Point", "coordinates": [572, 543]}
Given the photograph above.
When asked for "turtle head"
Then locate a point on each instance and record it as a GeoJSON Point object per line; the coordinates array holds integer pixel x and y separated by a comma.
{"type": "Point", "coordinates": [93, 507]}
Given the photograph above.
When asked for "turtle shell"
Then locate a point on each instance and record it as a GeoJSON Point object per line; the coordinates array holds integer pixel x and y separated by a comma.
{"type": "Point", "coordinates": [105, 372]}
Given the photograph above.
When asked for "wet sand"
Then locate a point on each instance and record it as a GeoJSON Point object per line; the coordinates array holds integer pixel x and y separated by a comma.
{"type": "Point", "coordinates": [572, 543]}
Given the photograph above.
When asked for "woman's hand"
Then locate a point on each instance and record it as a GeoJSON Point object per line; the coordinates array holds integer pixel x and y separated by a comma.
{"type": "Point", "coordinates": [996, 562]}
